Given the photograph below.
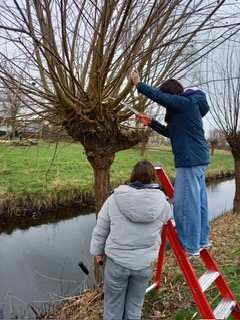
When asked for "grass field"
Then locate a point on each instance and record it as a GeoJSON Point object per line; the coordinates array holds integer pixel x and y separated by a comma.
{"type": "Point", "coordinates": [49, 173]}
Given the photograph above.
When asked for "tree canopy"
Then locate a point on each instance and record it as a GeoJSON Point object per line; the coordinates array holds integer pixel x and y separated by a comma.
{"type": "Point", "coordinates": [68, 62]}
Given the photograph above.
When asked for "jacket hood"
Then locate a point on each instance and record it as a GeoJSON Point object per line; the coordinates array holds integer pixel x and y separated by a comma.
{"type": "Point", "coordinates": [139, 205]}
{"type": "Point", "coordinates": [192, 91]}
{"type": "Point", "coordinates": [139, 185]}
{"type": "Point", "coordinates": [200, 96]}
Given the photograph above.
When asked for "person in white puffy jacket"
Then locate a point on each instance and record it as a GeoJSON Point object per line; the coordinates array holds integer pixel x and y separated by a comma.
{"type": "Point", "coordinates": [128, 232]}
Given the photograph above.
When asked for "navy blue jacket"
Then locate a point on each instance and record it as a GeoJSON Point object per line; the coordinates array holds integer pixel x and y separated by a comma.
{"type": "Point", "coordinates": [186, 132]}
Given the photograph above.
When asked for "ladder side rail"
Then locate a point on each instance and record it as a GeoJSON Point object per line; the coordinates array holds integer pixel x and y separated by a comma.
{"type": "Point", "coordinates": [189, 273]}
{"type": "Point", "coordinates": [160, 258]}
{"type": "Point", "coordinates": [166, 183]}
{"type": "Point", "coordinates": [156, 284]}
{"type": "Point", "coordinates": [169, 192]}
{"type": "Point", "coordinates": [220, 282]}
{"type": "Point", "coordinates": [236, 311]}
{"type": "Point", "coordinates": [211, 265]}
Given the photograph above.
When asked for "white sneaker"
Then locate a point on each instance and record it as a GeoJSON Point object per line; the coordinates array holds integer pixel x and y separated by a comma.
{"type": "Point", "coordinates": [193, 254]}
{"type": "Point", "coordinates": [205, 246]}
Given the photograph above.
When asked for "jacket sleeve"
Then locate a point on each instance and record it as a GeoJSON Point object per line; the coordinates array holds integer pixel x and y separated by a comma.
{"type": "Point", "coordinates": [160, 128]}
{"type": "Point", "coordinates": [101, 231]}
{"type": "Point", "coordinates": [167, 100]}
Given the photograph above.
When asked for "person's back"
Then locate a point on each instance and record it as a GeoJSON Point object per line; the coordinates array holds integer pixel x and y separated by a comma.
{"type": "Point", "coordinates": [184, 112]}
{"type": "Point", "coordinates": [128, 231]}
{"type": "Point", "coordinates": [186, 133]}
{"type": "Point", "coordinates": [141, 214]}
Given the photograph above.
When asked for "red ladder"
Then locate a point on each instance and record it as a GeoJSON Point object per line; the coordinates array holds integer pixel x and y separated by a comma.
{"type": "Point", "coordinates": [228, 304]}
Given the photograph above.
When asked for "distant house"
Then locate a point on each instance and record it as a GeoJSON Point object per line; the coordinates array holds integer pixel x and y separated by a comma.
{"type": "Point", "coordinates": [17, 127]}
{"type": "Point", "coordinates": [5, 125]}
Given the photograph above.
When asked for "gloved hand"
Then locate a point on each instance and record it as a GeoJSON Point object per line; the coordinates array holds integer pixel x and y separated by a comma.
{"type": "Point", "coordinates": [145, 119]}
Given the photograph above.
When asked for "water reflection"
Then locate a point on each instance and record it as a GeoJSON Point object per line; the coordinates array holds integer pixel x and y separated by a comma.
{"type": "Point", "coordinates": [220, 197]}
{"type": "Point", "coordinates": [39, 259]}
{"type": "Point", "coordinates": [40, 264]}
{"type": "Point", "coordinates": [8, 226]}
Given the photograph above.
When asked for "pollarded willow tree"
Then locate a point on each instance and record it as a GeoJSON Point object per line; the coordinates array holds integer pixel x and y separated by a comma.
{"type": "Point", "coordinates": [224, 85]}
{"type": "Point", "coordinates": [75, 57]}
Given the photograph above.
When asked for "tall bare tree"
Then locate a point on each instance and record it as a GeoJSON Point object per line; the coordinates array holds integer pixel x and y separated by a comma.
{"type": "Point", "coordinates": [215, 137]}
{"type": "Point", "coordinates": [75, 58]}
{"type": "Point", "coordinates": [224, 85]}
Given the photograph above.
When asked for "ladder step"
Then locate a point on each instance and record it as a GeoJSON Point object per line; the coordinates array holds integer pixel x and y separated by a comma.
{"type": "Point", "coordinates": [207, 279]}
{"type": "Point", "coordinates": [224, 309]}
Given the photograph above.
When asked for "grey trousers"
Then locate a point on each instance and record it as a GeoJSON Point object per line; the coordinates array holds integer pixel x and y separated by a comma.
{"type": "Point", "coordinates": [124, 291]}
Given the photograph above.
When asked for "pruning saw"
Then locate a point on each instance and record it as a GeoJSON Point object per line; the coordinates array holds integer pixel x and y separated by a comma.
{"type": "Point", "coordinates": [145, 119]}
{"type": "Point", "coordinates": [131, 108]}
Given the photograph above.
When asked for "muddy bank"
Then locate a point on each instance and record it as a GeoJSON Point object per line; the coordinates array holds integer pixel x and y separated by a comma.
{"type": "Point", "coordinates": [14, 207]}
{"type": "Point", "coordinates": [17, 207]}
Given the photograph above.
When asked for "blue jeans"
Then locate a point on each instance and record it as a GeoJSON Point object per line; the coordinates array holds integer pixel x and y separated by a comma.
{"type": "Point", "coordinates": [124, 291]}
{"type": "Point", "coordinates": [191, 207]}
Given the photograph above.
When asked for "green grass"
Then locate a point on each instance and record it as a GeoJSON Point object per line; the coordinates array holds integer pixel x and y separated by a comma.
{"type": "Point", "coordinates": [125, 160]}
{"type": "Point", "coordinates": [48, 172]}
{"type": "Point", "coordinates": [42, 168]}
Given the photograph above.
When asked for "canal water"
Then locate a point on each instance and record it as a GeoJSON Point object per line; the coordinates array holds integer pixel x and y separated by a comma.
{"type": "Point", "coordinates": [39, 263]}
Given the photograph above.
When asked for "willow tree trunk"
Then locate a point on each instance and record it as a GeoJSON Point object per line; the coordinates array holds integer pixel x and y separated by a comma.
{"type": "Point", "coordinates": [103, 189]}
{"type": "Point", "coordinates": [236, 201]}
{"type": "Point", "coordinates": [101, 158]}
{"type": "Point", "coordinates": [102, 185]}
{"type": "Point", "coordinates": [101, 161]}
{"type": "Point", "coordinates": [234, 141]}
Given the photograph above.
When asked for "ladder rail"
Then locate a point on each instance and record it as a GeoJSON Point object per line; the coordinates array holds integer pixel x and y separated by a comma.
{"type": "Point", "coordinates": [166, 183]}
{"type": "Point", "coordinates": [156, 284]}
{"type": "Point", "coordinates": [160, 259]}
{"type": "Point", "coordinates": [189, 273]}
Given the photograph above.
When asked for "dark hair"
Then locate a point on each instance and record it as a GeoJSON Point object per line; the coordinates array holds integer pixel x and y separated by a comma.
{"type": "Point", "coordinates": [143, 172]}
{"type": "Point", "coordinates": [168, 117]}
{"type": "Point", "coordinates": [171, 86]}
